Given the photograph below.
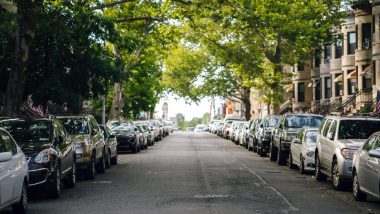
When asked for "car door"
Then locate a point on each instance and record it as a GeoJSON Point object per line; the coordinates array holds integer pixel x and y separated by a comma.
{"type": "Point", "coordinates": [323, 144]}
{"type": "Point", "coordinates": [330, 145]}
{"type": "Point", "coordinates": [298, 147]}
{"type": "Point", "coordinates": [7, 173]}
{"type": "Point", "coordinates": [97, 137]}
{"type": "Point", "coordinates": [65, 147]}
{"type": "Point", "coordinates": [363, 170]}
{"type": "Point", "coordinates": [372, 173]}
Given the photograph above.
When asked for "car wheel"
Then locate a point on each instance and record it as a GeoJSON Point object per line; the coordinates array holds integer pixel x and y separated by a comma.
{"type": "Point", "coordinates": [108, 159]}
{"type": "Point", "coordinates": [72, 177]}
{"type": "Point", "coordinates": [272, 152]}
{"type": "Point", "coordinates": [55, 185]}
{"type": "Point", "coordinates": [101, 166]}
{"type": "Point", "coordinates": [280, 156]}
{"type": "Point", "coordinates": [319, 176]}
{"type": "Point", "coordinates": [249, 147]}
{"type": "Point", "coordinates": [134, 149]}
{"type": "Point", "coordinates": [358, 194]}
{"type": "Point", "coordinates": [22, 205]}
{"type": "Point", "coordinates": [291, 164]}
{"type": "Point", "coordinates": [114, 160]}
{"type": "Point", "coordinates": [91, 168]}
{"type": "Point", "coordinates": [302, 166]}
{"type": "Point", "coordinates": [335, 177]}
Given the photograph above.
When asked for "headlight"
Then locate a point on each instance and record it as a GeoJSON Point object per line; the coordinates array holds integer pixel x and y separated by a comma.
{"type": "Point", "coordinates": [45, 156]}
{"type": "Point", "coordinates": [310, 153]}
{"type": "Point", "coordinates": [347, 153]}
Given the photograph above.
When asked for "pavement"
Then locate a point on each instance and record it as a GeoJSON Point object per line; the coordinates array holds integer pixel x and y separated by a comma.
{"type": "Point", "coordinates": [200, 173]}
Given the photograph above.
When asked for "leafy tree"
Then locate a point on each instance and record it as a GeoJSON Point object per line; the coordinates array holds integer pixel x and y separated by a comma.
{"type": "Point", "coordinates": [180, 121]}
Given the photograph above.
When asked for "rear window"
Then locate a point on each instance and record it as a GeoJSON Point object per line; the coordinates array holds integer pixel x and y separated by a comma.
{"type": "Point", "coordinates": [357, 129]}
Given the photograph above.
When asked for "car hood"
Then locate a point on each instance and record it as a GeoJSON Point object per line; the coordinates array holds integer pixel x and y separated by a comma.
{"type": "Point", "coordinates": [30, 148]}
{"type": "Point", "coordinates": [78, 138]}
{"type": "Point", "coordinates": [352, 143]}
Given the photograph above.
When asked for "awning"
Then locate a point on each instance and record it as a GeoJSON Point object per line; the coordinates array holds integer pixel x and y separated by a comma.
{"type": "Point", "coordinates": [339, 78]}
{"type": "Point", "coordinates": [289, 88]}
{"type": "Point", "coordinates": [364, 72]}
{"type": "Point", "coordinates": [352, 74]}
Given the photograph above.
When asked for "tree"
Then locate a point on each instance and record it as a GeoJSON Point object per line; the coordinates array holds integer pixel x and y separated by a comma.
{"type": "Point", "coordinates": [180, 121]}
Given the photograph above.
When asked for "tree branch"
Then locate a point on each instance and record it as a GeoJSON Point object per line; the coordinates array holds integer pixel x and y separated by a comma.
{"type": "Point", "coordinates": [189, 3]}
{"type": "Point", "coordinates": [143, 18]}
{"type": "Point", "coordinates": [102, 6]}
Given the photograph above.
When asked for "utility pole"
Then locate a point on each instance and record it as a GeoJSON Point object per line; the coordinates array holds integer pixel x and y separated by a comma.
{"type": "Point", "coordinates": [103, 110]}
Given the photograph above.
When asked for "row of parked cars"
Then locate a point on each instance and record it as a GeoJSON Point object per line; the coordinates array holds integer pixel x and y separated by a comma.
{"type": "Point", "coordinates": [341, 147]}
{"type": "Point", "coordinates": [47, 154]}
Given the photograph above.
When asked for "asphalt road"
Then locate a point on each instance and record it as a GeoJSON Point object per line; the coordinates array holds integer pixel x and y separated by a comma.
{"type": "Point", "coordinates": [200, 173]}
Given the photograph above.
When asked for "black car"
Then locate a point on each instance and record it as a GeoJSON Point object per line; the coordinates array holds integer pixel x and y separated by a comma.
{"type": "Point", "coordinates": [264, 136]}
{"type": "Point", "coordinates": [50, 155]}
{"type": "Point", "coordinates": [285, 132]}
{"type": "Point", "coordinates": [127, 138]}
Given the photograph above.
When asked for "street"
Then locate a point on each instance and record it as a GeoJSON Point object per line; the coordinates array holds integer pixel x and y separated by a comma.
{"type": "Point", "coordinates": [200, 173]}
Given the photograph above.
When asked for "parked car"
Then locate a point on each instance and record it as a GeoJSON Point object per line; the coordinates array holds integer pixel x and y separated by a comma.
{"type": "Point", "coordinates": [244, 135]}
{"type": "Point", "coordinates": [13, 182]}
{"type": "Point", "coordinates": [285, 132]}
{"type": "Point", "coordinates": [227, 129]}
{"type": "Point", "coordinates": [149, 131]}
{"type": "Point", "coordinates": [253, 132]}
{"type": "Point", "coordinates": [200, 128]}
{"type": "Point", "coordinates": [365, 169]}
{"type": "Point", "coordinates": [49, 153]}
{"type": "Point", "coordinates": [111, 146]}
{"type": "Point", "coordinates": [156, 129]}
{"type": "Point", "coordinates": [213, 125]}
{"type": "Point", "coordinates": [302, 150]}
{"type": "Point", "coordinates": [264, 133]}
{"type": "Point", "coordinates": [142, 136]}
{"type": "Point", "coordinates": [127, 137]}
{"type": "Point", "coordinates": [236, 138]}
{"type": "Point", "coordinates": [339, 137]}
{"type": "Point", "coordinates": [90, 147]}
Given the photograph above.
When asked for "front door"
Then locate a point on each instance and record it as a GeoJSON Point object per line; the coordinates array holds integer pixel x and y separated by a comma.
{"type": "Point", "coordinates": [6, 171]}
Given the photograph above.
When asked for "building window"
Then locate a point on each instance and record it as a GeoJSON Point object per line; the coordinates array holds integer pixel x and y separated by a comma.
{"type": "Point", "coordinates": [351, 43]}
{"type": "Point", "coordinates": [366, 36]}
{"type": "Point", "coordinates": [300, 66]}
{"type": "Point", "coordinates": [318, 90]}
{"type": "Point", "coordinates": [317, 58]}
{"type": "Point", "coordinates": [301, 92]}
{"type": "Point", "coordinates": [366, 78]}
{"type": "Point", "coordinates": [351, 84]}
{"type": "Point", "coordinates": [327, 52]}
{"type": "Point", "coordinates": [338, 48]}
{"type": "Point", "coordinates": [338, 85]}
{"type": "Point", "coordinates": [327, 87]}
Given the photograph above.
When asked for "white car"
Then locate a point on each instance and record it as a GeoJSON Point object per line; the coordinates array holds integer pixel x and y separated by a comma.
{"type": "Point", "coordinates": [302, 150]}
{"type": "Point", "coordinates": [13, 174]}
{"type": "Point", "coordinates": [200, 128]}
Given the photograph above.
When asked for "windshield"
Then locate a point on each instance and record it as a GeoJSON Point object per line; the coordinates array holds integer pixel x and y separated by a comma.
{"type": "Point", "coordinates": [271, 121]}
{"type": "Point", "coordinates": [75, 125]}
{"type": "Point", "coordinates": [311, 136]}
{"type": "Point", "coordinates": [299, 121]}
{"type": "Point", "coordinates": [28, 131]}
{"type": "Point", "coordinates": [357, 129]}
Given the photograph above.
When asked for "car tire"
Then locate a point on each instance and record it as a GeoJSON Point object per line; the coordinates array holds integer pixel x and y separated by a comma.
{"type": "Point", "coordinates": [72, 177]}
{"type": "Point", "coordinates": [319, 176]}
{"type": "Point", "coordinates": [280, 156]}
{"type": "Point", "coordinates": [114, 160]}
{"type": "Point", "coordinates": [108, 159]}
{"type": "Point", "coordinates": [290, 163]}
{"type": "Point", "coordinates": [90, 174]}
{"type": "Point", "coordinates": [272, 152]}
{"type": "Point", "coordinates": [101, 165]}
{"type": "Point", "coordinates": [262, 153]}
{"type": "Point", "coordinates": [55, 186]}
{"type": "Point", "coordinates": [134, 149]}
{"type": "Point", "coordinates": [249, 147]}
{"type": "Point", "coordinates": [358, 194]}
{"type": "Point", "coordinates": [22, 205]}
{"type": "Point", "coordinates": [302, 166]}
{"type": "Point", "coordinates": [335, 178]}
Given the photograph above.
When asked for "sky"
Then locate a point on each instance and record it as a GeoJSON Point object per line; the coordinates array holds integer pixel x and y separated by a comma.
{"type": "Point", "coordinates": [178, 105]}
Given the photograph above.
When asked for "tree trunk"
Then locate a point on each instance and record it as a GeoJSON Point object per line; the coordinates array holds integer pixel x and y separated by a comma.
{"type": "Point", "coordinates": [27, 12]}
{"type": "Point", "coordinates": [247, 102]}
{"type": "Point", "coordinates": [276, 88]}
{"type": "Point", "coordinates": [117, 102]}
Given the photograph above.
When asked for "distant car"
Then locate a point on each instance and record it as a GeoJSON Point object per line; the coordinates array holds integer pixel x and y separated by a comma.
{"type": "Point", "coordinates": [200, 128]}
{"type": "Point", "coordinates": [264, 133]}
{"type": "Point", "coordinates": [13, 182]}
{"type": "Point", "coordinates": [142, 135]}
{"type": "Point", "coordinates": [127, 137]}
{"type": "Point", "coordinates": [339, 137]}
{"type": "Point", "coordinates": [50, 153]}
{"type": "Point", "coordinates": [285, 132]}
{"type": "Point", "coordinates": [190, 129]}
{"type": "Point", "coordinates": [302, 150]}
{"type": "Point", "coordinates": [149, 131]}
{"type": "Point", "coordinates": [366, 168]}
{"type": "Point", "coordinates": [111, 146]}
{"type": "Point", "coordinates": [89, 143]}
{"type": "Point", "coordinates": [244, 134]}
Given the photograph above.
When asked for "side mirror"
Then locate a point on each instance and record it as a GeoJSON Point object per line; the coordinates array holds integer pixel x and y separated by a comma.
{"type": "Point", "coordinates": [5, 156]}
{"type": "Point", "coordinates": [374, 153]}
{"type": "Point", "coordinates": [94, 131]}
{"type": "Point", "coordinates": [330, 136]}
{"type": "Point", "coordinates": [297, 141]}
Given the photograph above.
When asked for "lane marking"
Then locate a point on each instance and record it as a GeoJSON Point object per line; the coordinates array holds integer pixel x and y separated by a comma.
{"type": "Point", "coordinates": [212, 196]}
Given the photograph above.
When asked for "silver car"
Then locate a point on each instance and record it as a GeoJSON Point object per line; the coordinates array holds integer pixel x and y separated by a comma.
{"type": "Point", "coordinates": [302, 150]}
{"type": "Point", "coordinates": [366, 167]}
{"type": "Point", "coordinates": [339, 137]}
